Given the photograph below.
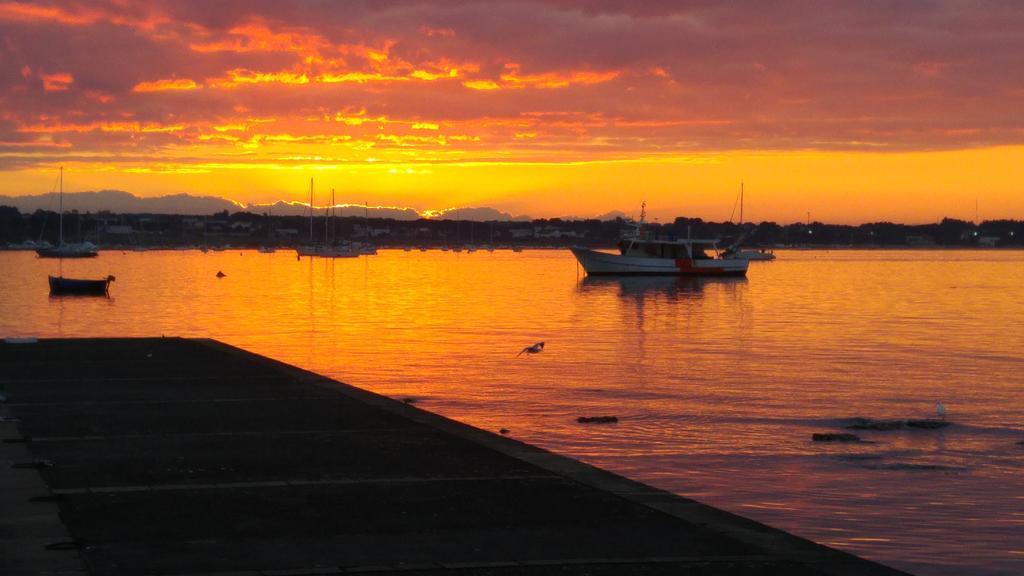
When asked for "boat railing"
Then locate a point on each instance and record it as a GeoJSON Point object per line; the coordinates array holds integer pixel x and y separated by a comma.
{"type": "Point", "coordinates": [651, 237]}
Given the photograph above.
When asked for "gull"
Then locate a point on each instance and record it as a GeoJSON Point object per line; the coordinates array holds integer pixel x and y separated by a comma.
{"type": "Point", "coordinates": [538, 347]}
{"type": "Point", "coordinates": [940, 409]}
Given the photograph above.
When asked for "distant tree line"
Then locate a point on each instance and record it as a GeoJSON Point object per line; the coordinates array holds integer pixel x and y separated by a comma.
{"type": "Point", "coordinates": [251, 229]}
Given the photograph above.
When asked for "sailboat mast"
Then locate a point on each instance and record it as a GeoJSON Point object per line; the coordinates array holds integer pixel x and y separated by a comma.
{"type": "Point", "coordinates": [310, 210]}
{"type": "Point", "coordinates": [60, 218]}
{"type": "Point", "coordinates": [741, 204]}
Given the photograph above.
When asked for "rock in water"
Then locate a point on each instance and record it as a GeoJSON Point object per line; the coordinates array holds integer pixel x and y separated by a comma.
{"type": "Point", "coordinates": [927, 424]}
{"type": "Point", "coordinates": [835, 437]}
{"type": "Point", "coordinates": [867, 424]}
{"type": "Point", "coordinates": [597, 419]}
{"type": "Point", "coordinates": [887, 425]}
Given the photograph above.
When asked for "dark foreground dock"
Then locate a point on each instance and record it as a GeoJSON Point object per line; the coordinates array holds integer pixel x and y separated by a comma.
{"type": "Point", "coordinates": [171, 456]}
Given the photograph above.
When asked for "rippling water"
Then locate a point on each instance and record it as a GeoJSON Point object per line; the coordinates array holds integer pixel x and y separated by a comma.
{"type": "Point", "coordinates": [718, 384]}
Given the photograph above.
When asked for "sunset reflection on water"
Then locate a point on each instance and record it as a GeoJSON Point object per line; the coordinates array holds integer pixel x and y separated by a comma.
{"type": "Point", "coordinates": [718, 384]}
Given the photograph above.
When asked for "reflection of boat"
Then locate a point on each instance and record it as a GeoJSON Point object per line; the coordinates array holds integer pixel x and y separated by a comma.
{"type": "Point", "coordinates": [642, 254]}
{"type": "Point", "coordinates": [649, 285]}
{"type": "Point", "coordinates": [61, 286]}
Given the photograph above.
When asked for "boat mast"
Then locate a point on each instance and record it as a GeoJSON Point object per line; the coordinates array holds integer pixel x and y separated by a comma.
{"type": "Point", "coordinates": [60, 218]}
{"type": "Point", "coordinates": [310, 210]}
{"type": "Point", "coordinates": [741, 205]}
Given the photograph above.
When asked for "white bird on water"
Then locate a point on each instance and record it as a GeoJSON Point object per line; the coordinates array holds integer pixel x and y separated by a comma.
{"type": "Point", "coordinates": [538, 347]}
{"type": "Point", "coordinates": [940, 409]}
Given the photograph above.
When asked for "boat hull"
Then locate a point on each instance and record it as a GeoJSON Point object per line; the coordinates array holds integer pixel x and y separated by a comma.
{"type": "Point", "coordinates": [59, 253]}
{"type": "Point", "coordinates": [606, 264]}
{"type": "Point", "coordinates": [60, 286]}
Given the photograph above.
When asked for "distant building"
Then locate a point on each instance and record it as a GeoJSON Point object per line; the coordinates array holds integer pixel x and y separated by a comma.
{"type": "Point", "coordinates": [922, 240]}
{"type": "Point", "coordinates": [989, 241]}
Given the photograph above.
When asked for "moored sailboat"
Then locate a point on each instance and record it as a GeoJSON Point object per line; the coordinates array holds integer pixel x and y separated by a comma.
{"type": "Point", "coordinates": [736, 252]}
{"type": "Point", "coordinates": [62, 250]}
{"type": "Point", "coordinates": [61, 286]}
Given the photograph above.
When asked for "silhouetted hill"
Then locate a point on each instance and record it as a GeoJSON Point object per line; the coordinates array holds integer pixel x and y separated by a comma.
{"type": "Point", "coordinates": [121, 202]}
{"type": "Point", "coordinates": [282, 208]}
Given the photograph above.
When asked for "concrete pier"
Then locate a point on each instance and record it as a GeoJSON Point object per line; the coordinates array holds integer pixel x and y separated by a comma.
{"type": "Point", "coordinates": [171, 456]}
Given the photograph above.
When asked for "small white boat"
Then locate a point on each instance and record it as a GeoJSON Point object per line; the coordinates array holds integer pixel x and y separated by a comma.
{"type": "Point", "coordinates": [762, 254]}
{"type": "Point", "coordinates": [339, 251]}
{"type": "Point", "coordinates": [266, 249]}
{"type": "Point", "coordinates": [643, 254]}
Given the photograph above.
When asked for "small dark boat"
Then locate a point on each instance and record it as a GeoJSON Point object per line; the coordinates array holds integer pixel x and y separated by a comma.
{"type": "Point", "coordinates": [61, 286]}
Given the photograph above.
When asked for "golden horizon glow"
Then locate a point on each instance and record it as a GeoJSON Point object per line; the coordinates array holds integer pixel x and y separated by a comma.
{"type": "Point", "coordinates": [512, 110]}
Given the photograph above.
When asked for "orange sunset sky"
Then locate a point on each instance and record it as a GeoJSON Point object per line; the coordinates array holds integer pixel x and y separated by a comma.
{"type": "Point", "coordinates": [852, 111]}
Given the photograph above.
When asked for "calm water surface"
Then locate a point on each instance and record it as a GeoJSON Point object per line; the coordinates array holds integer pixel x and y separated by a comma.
{"type": "Point", "coordinates": [718, 384]}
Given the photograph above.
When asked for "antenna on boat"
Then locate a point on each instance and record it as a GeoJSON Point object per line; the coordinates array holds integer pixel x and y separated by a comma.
{"type": "Point", "coordinates": [639, 225]}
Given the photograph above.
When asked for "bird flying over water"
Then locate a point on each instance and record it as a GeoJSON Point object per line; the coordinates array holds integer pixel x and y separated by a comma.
{"type": "Point", "coordinates": [538, 347]}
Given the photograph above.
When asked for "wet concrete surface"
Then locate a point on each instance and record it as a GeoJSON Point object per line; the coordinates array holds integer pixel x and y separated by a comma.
{"type": "Point", "coordinates": [175, 456]}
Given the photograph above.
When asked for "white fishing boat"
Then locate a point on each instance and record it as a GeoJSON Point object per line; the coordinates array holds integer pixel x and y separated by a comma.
{"type": "Point", "coordinates": [646, 254]}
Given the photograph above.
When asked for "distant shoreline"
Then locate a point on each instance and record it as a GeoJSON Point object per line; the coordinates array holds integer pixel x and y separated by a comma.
{"type": "Point", "coordinates": [417, 247]}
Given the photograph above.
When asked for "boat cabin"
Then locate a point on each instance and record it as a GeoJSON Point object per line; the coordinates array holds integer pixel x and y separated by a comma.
{"type": "Point", "coordinates": [669, 248]}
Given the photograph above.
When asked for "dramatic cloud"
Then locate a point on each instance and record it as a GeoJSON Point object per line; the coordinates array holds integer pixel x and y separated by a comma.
{"type": "Point", "coordinates": [184, 86]}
